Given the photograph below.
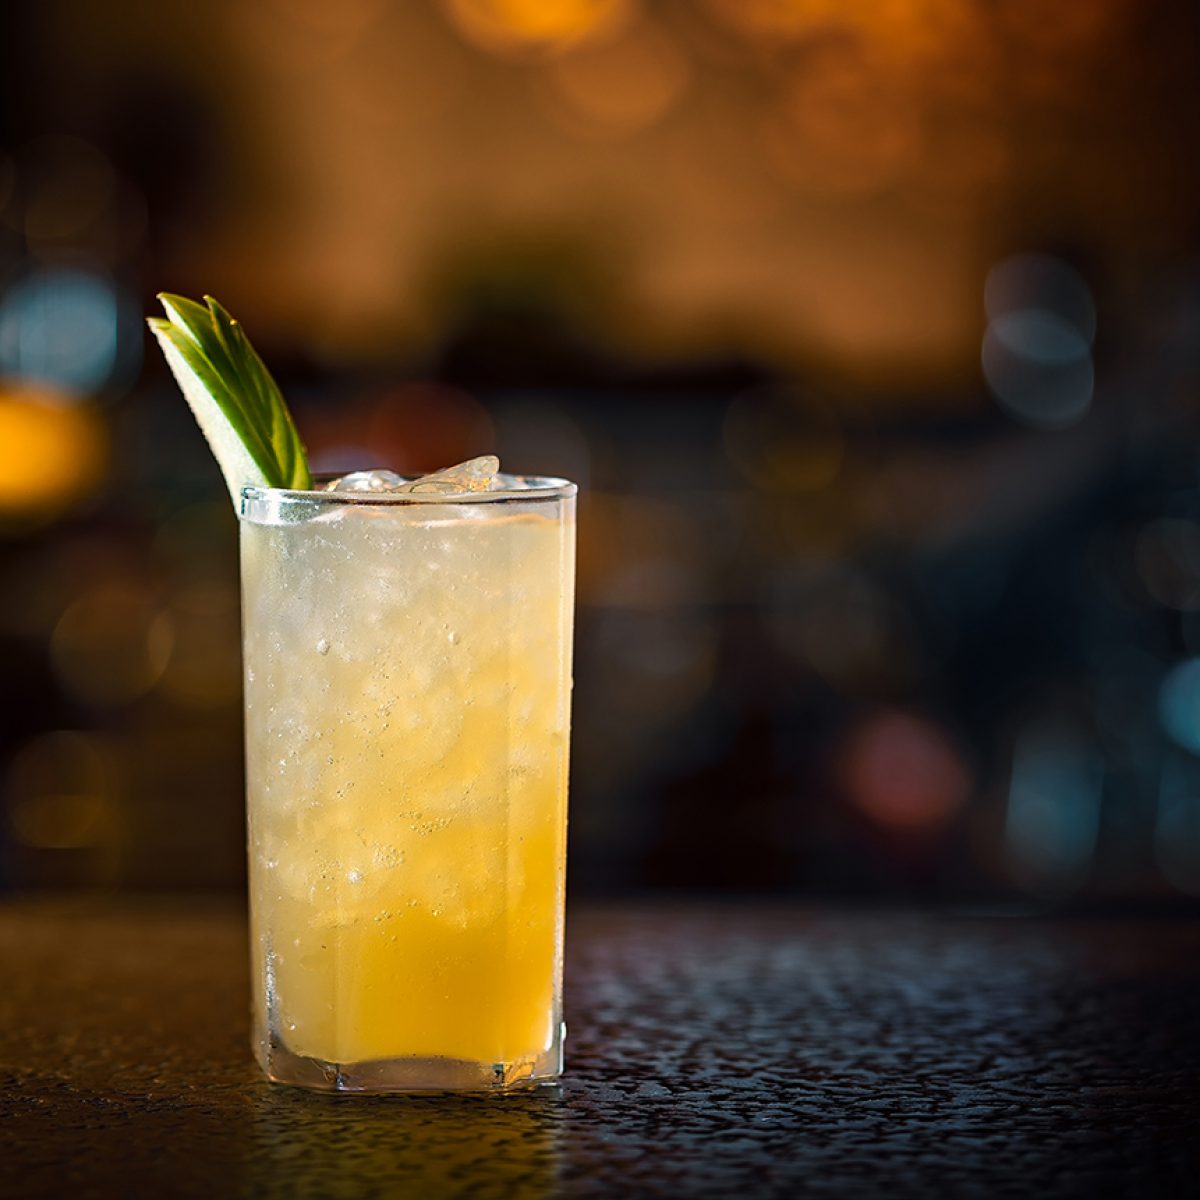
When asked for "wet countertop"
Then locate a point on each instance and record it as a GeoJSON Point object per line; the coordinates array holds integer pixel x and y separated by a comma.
{"type": "Point", "coordinates": [714, 1050]}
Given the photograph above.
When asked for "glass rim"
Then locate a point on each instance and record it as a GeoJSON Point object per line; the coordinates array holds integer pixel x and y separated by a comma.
{"type": "Point", "coordinates": [524, 488]}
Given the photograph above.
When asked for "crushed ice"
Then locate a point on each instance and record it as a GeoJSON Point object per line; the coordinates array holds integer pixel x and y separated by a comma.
{"type": "Point", "coordinates": [474, 475]}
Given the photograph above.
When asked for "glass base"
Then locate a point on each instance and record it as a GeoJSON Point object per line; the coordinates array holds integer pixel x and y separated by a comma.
{"type": "Point", "coordinates": [408, 1074]}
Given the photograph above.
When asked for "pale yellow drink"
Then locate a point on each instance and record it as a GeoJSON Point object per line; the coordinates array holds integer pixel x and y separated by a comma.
{"type": "Point", "coordinates": [407, 676]}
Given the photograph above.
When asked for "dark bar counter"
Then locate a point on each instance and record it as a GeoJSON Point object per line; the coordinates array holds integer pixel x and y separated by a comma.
{"type": "Point", "coordinates": [713, 1050]}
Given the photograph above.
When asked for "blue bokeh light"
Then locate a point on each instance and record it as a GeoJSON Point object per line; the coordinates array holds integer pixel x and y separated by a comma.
{"type": "Point", "coordinates": [1179, 704]}
{"type": "Point", "coordinates": [1040, 336]}
{"type": "Point", "coordinates": [1036, 356]}
{"type": "Point", "coordinates": [1053, 817]}
{"type": "Point", "coordinates": [59, 326]}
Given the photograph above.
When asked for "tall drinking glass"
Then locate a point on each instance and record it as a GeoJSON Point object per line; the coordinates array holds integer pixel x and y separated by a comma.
{"type": "Point", "coordinates": [407, 686]}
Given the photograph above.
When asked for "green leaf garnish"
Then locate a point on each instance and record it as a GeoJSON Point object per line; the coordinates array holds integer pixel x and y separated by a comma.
{"type": "Point", "coordinates": [231, 393]}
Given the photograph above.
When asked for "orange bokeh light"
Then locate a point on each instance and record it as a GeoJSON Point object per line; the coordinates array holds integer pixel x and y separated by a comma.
{"type": "Point", "coordinates": [536, 27]}
{"type": "Point", "coordinates": [622, 86]}
{"type": "Point", "coordinates": [51, 451]}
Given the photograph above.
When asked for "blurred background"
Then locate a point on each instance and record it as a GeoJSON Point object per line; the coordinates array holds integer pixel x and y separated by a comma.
{"type": "Point", "coordinates": [871, 333]}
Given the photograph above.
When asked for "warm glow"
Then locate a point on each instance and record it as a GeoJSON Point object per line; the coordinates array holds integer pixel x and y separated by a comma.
{"type": "Point", "coordinates": [299, 36]}
{"type": "Point", "coordinates": [60, 791]}
{"type": "Point", "coordinates": [805, 182]}
{"type": "Point", "coordinates": [907, 24]}
{"type": "Point", "coordinates": [51, 452]}
{"type": "Point", "coordinates": [844, 125]}
{"type": "Point", "coordinates": [108, 648]}
{"type": "Point", "coordinates": [536, 26]}
{"type": "Point", "coordinates": [623, 86]}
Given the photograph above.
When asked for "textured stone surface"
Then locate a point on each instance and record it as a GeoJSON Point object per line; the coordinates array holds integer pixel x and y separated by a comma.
{"type": "Point", "coordinates": [719, 1051]}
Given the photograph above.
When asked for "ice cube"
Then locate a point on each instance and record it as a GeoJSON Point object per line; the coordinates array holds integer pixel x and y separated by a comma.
{"type": "Point", "coordinates": [474, 475]}
{"type": "Point", "coordinates": [368, 481]}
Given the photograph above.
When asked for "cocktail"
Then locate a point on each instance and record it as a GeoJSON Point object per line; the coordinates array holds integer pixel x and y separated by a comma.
{"type": "Point", "coordinates": [407, 651]}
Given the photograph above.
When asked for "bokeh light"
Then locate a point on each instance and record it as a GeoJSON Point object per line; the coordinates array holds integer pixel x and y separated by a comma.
{"type": "Point", "coordinates": [619, 87]}
{"type": "Point", "coordinates": [59, 326]}
{"type": "Point", "coordinates": [905, 773]}
{"type": "Point", "coordinates": [535, 28]}
{"type": "Point", "coordinates": [1045, 396]}
{"type": "Point", "coordinates": [1179, 704]}
{"type": "Point", "coordinates": [1053, 817]}
{"type": "Point", "coordinates": [299, 37]}
{"type": "Point", "coordinates": [843, 125]}
{"type": "Point", "coordinates": [1047, 287]}
{"type": "Point", "coordinates": [1036, 353]}
{"type": "Point", "coordinates": [843, 599]}
{"type": "Point", "coordinates": [52, 451]}
{"type": "Point", "coordinates": [1042, 337]}
{"type": "Point", "coordinates": [65, 188]}
{"type": "Point", "coordinates": [60, 790]}
{"type": "Point", "coordinates": [108, 647]}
